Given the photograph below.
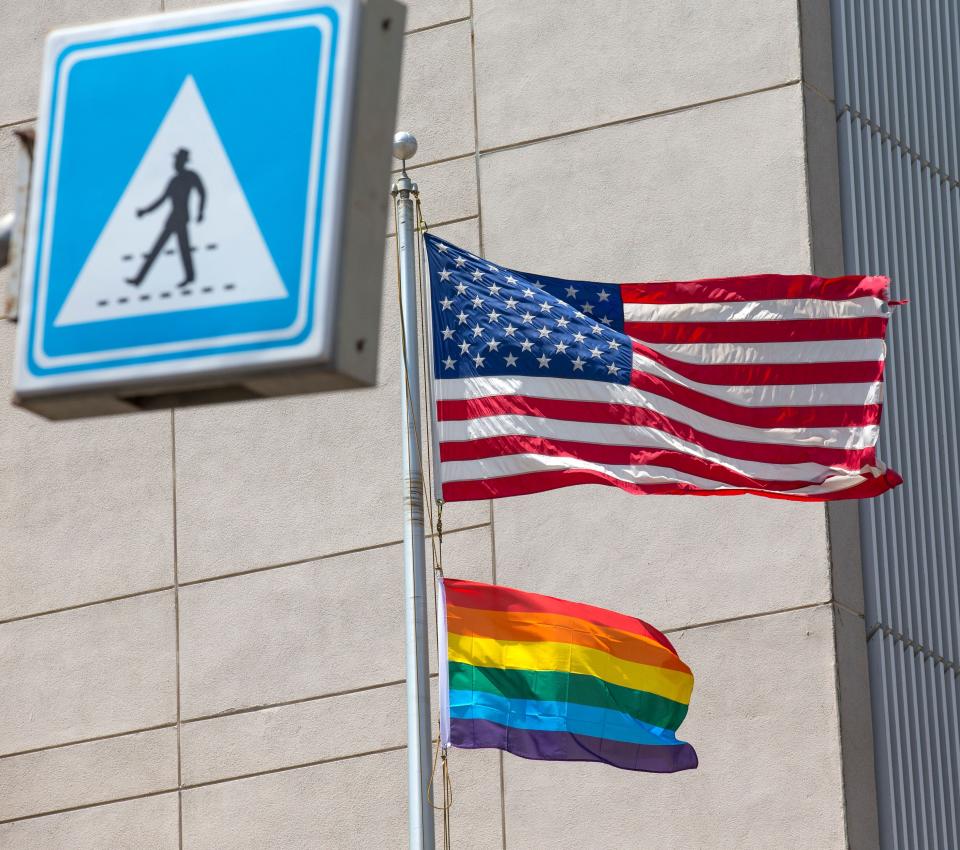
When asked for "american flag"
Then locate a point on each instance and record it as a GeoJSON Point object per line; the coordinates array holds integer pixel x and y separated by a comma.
{"type": "Point", "coordinates": [768, 384]}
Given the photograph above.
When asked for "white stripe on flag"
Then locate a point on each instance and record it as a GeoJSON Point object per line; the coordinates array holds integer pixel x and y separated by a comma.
{"type": "Point", "coordinates": [567, 389]}
{"type": "Point", "coordinates": [634, 436]}
{"type": "Point", "coordinates": [818, 351]}
{"type": "Point", "coordinates": [770, 395]}
{"type": "Point", "coordinates": [520, 464]}
{"type": "Point", "coordinates": [757, 311]}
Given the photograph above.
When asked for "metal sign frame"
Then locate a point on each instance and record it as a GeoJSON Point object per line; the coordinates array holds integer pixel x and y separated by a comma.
{"type": "Point", "coordinates": [332, 343]}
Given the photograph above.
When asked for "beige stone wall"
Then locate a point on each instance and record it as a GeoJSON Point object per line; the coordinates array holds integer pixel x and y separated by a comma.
{"type": "Point", "coordinates": [200, 610]}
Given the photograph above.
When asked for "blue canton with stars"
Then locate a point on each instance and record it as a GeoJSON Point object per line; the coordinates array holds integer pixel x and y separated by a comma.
{"type": "Point", "coordinates": [489, 320]}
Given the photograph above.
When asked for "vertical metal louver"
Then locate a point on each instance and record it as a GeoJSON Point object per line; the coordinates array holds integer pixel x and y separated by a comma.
{"type": "Point", "coordinates": [897, 83]}
{"type": "Point", "coordinates": [917, 730]}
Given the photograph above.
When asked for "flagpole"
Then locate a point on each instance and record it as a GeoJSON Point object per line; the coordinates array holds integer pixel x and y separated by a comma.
{"type": "Point", "coordinates": [419, 742]}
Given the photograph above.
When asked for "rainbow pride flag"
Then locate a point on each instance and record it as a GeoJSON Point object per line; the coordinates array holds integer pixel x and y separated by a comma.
{"type": "Point", "coordinates": [544, 678]}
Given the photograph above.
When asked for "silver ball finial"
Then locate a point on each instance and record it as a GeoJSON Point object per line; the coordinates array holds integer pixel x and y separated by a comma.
{"type": "Point", "coordinates": [404, 145]}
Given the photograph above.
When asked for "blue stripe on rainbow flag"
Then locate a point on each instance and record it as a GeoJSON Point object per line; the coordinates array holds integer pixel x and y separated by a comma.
{"type": "Point", "coordinates": [548, 716]}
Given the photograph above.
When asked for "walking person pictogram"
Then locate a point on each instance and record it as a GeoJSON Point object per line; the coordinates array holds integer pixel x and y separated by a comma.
{"type": "Point", "coordinates": [178, 192]}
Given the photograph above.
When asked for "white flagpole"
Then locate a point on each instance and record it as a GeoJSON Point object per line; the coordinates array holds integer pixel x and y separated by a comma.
{"type": "Point", "coordinates": [419, 741]}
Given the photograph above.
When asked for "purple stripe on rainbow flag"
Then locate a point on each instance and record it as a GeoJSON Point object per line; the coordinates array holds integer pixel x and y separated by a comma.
{"type": "Point", "coordinates": [564, 746]}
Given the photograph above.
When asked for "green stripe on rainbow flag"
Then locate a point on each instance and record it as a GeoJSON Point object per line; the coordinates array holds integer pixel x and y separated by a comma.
{"type": "Point", "coordinates": [569, 687]}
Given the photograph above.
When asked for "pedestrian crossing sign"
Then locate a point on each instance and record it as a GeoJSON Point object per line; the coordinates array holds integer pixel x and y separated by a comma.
{"type": "Point", "coordinates": [204, 209]}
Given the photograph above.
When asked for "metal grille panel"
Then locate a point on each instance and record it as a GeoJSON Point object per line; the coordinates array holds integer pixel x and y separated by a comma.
{"type": "Point", "coordinates": [917, 742]}
{"type": "Point", "coordinates": [897, 80]}
{"type": "Point", "coordinates": [896, 64]}
{"type": "Point", "coordinates": [902, 220]}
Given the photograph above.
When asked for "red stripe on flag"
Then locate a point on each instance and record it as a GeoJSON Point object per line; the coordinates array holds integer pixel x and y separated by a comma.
{"type": "Point", "coordinates": [768, 374]}
{"type": "Point", "coordinates": [612, 455]}
{"type": "Point", "coordinates": [791, 330]}
{"type": "Point", "coordinates": [624, 414]}
{"type": "Point", "coordinates": [538, 482]}
{"type": "Point", "coordinates": [764, 287]}
{"type": "Point", "coordinates": [819, 416]}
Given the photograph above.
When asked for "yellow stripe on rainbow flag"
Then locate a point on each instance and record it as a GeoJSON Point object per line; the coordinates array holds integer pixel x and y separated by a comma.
{"type": "Point", "coordinates": [570, 658]}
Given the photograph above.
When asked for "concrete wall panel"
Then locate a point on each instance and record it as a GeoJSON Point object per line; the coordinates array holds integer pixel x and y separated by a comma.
{"type": "Point", "coordinates": [85, 507]}
{"type": "Point", "coordinates": [296, 734]}
{"type": "Point", "coordinates": [288, 735]}
{"type": "Point", "coordinates": [432, 13]}
{"type": "Point", "coordinates": [826, 226]}
{"type": "Point", "coordinates": [94, 671]}
{"type": "Point", "coordinates": [150, 822]}
{"type": "Point", "coordinates": [82, 774]}
{"type": "Point", "coordinates": [420, 13]}
{"type": "Point", "coordinates": [436, 92]}
{"type": "Point", "coordinates": [718, 190]}
{"type": "Point", "coordinates": [816, 36]}
{"type": "Point", "coordinates": [177, 5]}
{"type": "Point", "coordinates": [545, 67]}
{"type": "Point", "coordinates": [23, 30]}
{"type": "Point", "coordinates": [448, 190]}
{"type": "Point", "coordinates": [356, 803]}
{"type": "Point", "coordinates": [9, 151]}
{"type": "Point", "coordinates": [856, 729]}
{"type": "Point", "coordinates": [9, 148]}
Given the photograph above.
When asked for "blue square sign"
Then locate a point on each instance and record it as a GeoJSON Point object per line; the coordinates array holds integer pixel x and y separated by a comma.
{"type": "Point", "coordinates": [186, 202]}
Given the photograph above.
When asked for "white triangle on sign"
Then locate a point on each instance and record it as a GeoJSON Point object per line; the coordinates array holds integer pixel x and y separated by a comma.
{"type": "Point", "coordinates": [232, 264]}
